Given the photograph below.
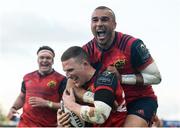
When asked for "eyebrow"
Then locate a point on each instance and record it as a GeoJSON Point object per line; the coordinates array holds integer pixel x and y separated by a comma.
{"type": "Point", "coordinates": [102, 17]}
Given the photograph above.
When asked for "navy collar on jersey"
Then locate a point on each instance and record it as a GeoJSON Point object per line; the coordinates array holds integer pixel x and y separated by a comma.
{"type": "Point", "coordinates": [45, 74]}
{"type": "Point", "coordinates": [92, 78]}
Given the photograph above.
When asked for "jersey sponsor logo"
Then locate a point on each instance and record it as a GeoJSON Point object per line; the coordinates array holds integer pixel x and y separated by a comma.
{"type": "Point", "coordinates": [106, 78]}
{"type": "Point", "coordinates": [51, 84]}
{"type": "Point", "coordinates": [143, 52]}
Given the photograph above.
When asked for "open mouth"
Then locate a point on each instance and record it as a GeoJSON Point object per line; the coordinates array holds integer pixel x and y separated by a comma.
{"type": "Point", "coordinates": [44, 65]}
{"type": "Point", "coordinates": [101, 34]}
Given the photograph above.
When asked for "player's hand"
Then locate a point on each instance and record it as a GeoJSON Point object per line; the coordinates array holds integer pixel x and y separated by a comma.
{"type": "Point", "coordinates": [63, 119]}
{"type": "Point", "coordinates": [113, 69]}
{"type": "Point", "coordinates": [68, 98]}
{"type": "Point", "coordinates": [12, 113]}
{"type": "Point", "coordinates": [115, 106]}
{"type": "Point", "coordinates": [156, 122]}
{"type": "Point", "coordinates": [37, 102]}
{"type": "Point", "coordinates": [70, 84]}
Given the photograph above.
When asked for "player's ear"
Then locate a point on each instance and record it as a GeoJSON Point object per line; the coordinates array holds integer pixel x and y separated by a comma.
{"type": "Point", "coordinates": [85, 62]}
{"type": "Point", "coordinates": [114, 26]}
{"type": "Point", "coordinates": [53, 61]}
{"type": "Point", "coordinates": [38, 60]}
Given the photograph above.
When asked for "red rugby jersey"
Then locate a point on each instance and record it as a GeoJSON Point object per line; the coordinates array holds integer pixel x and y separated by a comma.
{"type": "Point", "coordinates": [128, 54]}
{"type": "Point", "coordinates": [107, 89]}
{"type": "Point", "coordinates": [49, 87]}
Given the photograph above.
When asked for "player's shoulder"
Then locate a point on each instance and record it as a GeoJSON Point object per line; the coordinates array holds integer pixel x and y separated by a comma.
{"type": "Point", "coordinates": [30, 74]}
{"type": "Point", "coordinates": [125, 35]}
{"type": "Point", "coordinates": [125, 41]}
{"type": "Point", "coordinates": [90, 42]}
{"type": "Point", "coordinates": [58, 74]}
{"type": "Point", "coordinates": [105, 78]}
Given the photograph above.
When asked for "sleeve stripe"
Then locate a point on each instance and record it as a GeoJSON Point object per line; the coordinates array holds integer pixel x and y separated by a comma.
{"type": "Point", "coordinates": [104, 87]}
{"type": "Point", "coordinates": [123, 41]}
{"type": "Point", "coordinates": [126, 41]}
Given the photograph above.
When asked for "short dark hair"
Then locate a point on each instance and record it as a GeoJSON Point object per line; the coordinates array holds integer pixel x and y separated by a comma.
{"type": "Point", "coordinates": [46, 48]}
{"type": "Point", "coordinates": [75, 52]}
{"type": "Point", "coordinates": [104, 7]}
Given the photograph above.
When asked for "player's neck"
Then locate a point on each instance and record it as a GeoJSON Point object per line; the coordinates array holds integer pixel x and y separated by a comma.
{"type": "Point", "coordinates": [91, 73]}
{"type": "Point", "coordinates": [45, 73]}
{"type": "Point", "coordinates": [109, 42]}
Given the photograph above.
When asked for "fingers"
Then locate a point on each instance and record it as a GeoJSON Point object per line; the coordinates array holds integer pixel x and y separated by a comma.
{"type": "Point", "coordinates": [37, 101]}
{"type": "Point", "coordinates": [59, 111]}
{"type": "Point", "coordinates": [63, 119]}
{"type": "Point", "coordinates": [114, 70]}
{"type": "Point", "coordinates": [66, 95]}
{"type": "Point", "coordinates": [10, 116]}
{"type": "Point", "coordinates": [70, 84]}
{"type": "Point", "coordinates": [111, 68]}
{"type": "Point", "coordinates": [115, 105]}
{"type": "Point", "coordinates": [66, 120]}
{"type": "Point", "coordinates": [11, 113]}
{"type": "Point", "coordinates": [32, 101]}
{"type": "Point", "coordinates": [71, 92]}
{"type": "Point", "coordinates": [32, 98]}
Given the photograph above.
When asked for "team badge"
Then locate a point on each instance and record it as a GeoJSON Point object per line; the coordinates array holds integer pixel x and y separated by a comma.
{"type": "Point", "coordinates": [51, 84]}
{"type": "Point", "coordinates": [119, 64]}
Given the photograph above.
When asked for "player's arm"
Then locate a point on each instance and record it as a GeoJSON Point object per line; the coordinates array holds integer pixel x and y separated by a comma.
{"type": "Point", "coordinates": [147, 70]}
{"type": "Point", "coordinates": [16, 106]}
{"type": "Point", "coordinates": [19, 102]}
{"type": "Point", "coordinates": [97, 114]}
{"type": "Point", "coordinates": [81, 94]}
{"type": "Point", "coordinates": [56, 105]}
{"type": "Point", "coordinates": [21, 98]}
{"type": "Point", "coordinates": [103, 102]}
{"type": "Point", "coordinates": [105, 86]}
{"type": "Point", "coordinates": [149, 75]}
{"type": "Point", "coordinates": [42, 102]}
{"type": "Point", "coordinates": [85, 96]}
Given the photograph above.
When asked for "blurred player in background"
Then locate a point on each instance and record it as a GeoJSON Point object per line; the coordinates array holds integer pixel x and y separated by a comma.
{"type": "Point", "coordinates": [40, 94]}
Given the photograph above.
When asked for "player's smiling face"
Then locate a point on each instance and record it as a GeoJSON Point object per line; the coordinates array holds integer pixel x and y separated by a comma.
{"type": "Point", "coordinates": [103, 25]}
{"type": "Point", "coordinates": [75, 70]}
{"type": "Point", "coordinates": [45, 61]}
